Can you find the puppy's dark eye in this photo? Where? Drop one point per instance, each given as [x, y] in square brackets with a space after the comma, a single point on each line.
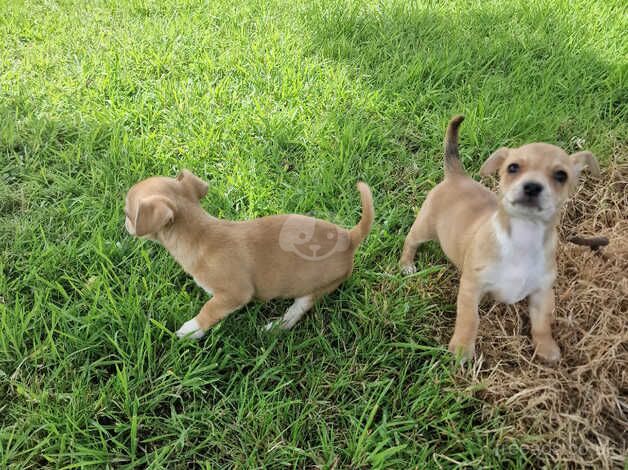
[560, 176]
[513, 168]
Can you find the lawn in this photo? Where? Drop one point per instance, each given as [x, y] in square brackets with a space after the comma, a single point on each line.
[281, 106]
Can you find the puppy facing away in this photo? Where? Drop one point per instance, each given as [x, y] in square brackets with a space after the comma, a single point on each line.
[504, 244]
[287, 256]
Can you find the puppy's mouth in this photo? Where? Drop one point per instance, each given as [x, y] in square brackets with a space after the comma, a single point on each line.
[525, 206]
[528, 202]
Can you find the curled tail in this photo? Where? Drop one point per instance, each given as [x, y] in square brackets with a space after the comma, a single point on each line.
[360, 231]
[452, 159]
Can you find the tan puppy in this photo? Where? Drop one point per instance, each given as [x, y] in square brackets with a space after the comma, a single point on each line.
[503, 245]
[286, 256]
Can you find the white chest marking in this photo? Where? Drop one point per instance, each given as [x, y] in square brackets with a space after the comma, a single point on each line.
[521, 267]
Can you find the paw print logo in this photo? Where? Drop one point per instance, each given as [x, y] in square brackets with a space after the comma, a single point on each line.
[312, 239]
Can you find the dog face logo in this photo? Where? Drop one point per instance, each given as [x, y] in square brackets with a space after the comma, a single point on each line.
[312, 239]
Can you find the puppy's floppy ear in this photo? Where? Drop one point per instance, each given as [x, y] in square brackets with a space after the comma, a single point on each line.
[584, 159]
[193, 182]
[153, 213]
[492, 164]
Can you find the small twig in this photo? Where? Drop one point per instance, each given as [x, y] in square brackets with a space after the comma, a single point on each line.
[594, 243]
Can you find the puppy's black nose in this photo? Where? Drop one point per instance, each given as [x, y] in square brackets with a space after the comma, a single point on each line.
[532, 188]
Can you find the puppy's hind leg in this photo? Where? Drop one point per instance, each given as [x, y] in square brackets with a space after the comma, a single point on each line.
[420, 232]
[294, 313]
[302, 305]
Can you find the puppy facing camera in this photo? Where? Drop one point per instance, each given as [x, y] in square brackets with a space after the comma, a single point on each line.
[505, 244]
[280, 256]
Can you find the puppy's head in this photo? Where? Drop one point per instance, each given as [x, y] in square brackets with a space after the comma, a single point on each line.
[536, 179]
[152, 203]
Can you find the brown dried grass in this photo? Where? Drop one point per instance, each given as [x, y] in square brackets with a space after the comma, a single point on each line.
[574, 414]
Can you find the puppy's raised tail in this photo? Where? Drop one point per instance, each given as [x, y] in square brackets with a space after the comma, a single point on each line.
[360, 231]
[453, 166]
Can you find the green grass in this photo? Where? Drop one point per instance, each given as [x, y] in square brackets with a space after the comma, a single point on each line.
[282, 106]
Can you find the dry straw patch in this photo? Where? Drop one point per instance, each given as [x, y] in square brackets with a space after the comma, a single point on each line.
[577, 410]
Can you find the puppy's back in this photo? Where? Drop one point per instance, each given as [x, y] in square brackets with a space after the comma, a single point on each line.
[295, 255]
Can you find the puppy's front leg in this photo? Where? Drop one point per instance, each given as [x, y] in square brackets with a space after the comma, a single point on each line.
[541, 305]
[214, 310]
[467, 318]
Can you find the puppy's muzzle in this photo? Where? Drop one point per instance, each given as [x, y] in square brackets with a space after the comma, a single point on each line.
[531, 194]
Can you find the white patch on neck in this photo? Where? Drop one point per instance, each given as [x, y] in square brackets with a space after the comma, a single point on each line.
[521, 267]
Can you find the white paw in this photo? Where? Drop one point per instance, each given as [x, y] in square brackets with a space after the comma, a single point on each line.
[281, 324]
[190, 329]
[409, 269]
[275, 324]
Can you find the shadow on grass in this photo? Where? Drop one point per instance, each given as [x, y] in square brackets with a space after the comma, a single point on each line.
[520, 73]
